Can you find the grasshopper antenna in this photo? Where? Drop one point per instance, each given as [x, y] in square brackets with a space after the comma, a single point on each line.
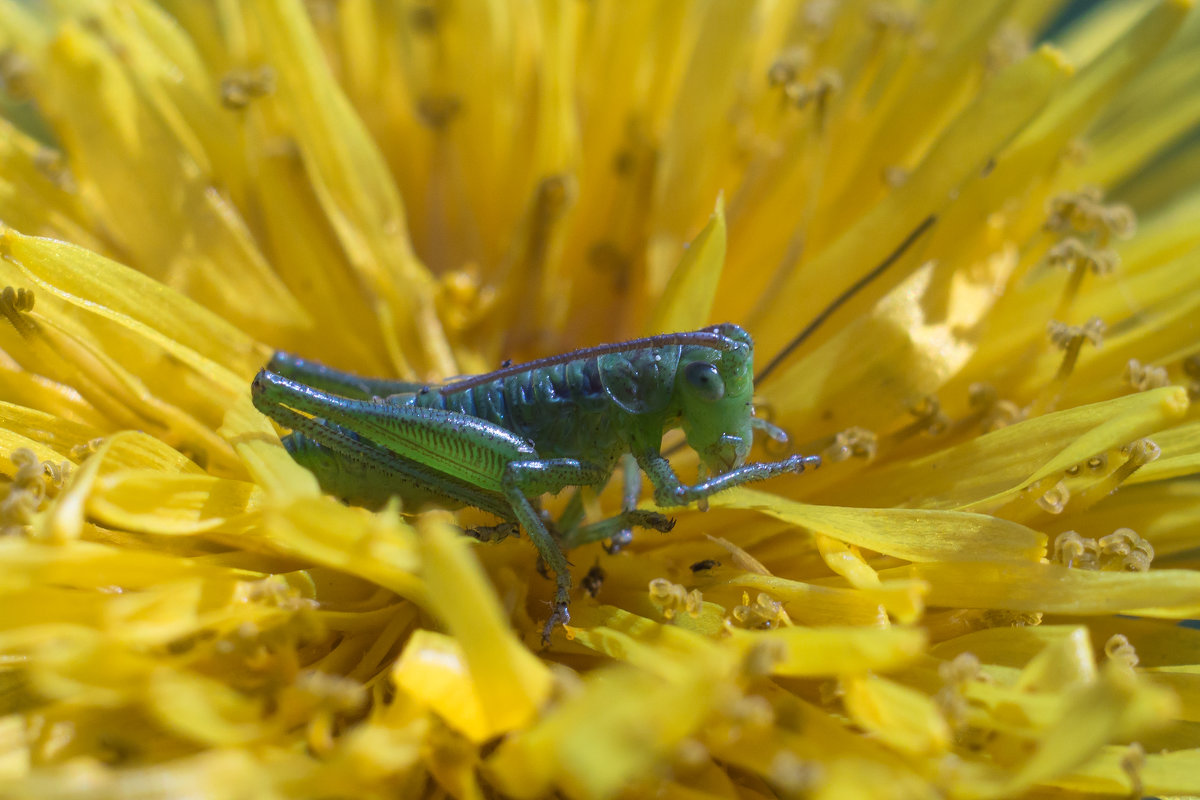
[845, 296]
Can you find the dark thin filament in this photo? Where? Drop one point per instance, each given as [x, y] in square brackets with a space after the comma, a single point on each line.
[845, 296]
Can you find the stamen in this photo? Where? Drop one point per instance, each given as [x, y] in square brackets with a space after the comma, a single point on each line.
[1006, 618]
[818, 92]
[955, 675]
[13, 304]
[817, 17]
[992, 412]
[1083, 213]
[81, 451]
[895, 176]
[425, 18]
[1132, 763]
[851, 443]
[887, 17]
[788, 65]
[1070, 338]
[239, 87]
[930, 419]
[1140, 453]
[762, 656]
[1008, 45]
[793, 775]
[1120, 551]
[1118, 649]
[765, 613]
[1125, 550]
[1055, 499]
[437, 111]
[671, 598]
[1145, 376]
[25, 492]
[964, 668]
[1078, 259]
[51, 164]
[1073, 550]
[1191, 368]
[15, 71]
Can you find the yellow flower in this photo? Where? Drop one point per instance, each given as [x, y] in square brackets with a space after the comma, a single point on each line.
[957, 604]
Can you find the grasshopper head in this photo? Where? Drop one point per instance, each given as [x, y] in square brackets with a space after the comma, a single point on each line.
[714, 390]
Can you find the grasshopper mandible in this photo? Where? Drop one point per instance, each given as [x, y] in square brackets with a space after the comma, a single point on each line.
[500, 440]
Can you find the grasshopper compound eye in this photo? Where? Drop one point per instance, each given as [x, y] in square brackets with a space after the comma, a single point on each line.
[704, 379]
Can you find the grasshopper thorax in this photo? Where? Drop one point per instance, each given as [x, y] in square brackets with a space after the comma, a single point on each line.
[714, 390]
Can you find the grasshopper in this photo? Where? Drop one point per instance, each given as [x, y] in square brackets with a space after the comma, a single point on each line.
[500, 440]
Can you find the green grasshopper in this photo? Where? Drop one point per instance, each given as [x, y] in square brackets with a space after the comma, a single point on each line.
[500, 440]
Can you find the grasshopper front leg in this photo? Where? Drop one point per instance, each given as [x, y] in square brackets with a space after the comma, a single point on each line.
[670, 491]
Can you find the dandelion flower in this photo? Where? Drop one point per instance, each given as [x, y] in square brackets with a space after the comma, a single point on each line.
[978, 596]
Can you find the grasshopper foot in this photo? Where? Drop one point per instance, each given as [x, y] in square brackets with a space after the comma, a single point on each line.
[618, 542]
[560, 616]
[642, 519]
[493, 533]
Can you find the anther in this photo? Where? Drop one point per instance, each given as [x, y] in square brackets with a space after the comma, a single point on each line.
[1075, 256]
[885, 17]
[1073, 550]
[1132, 763]
[1125, 550]
[239, 87]
[15, 71]
[787, 66]
[1054, 500]
[851, 443]
[818, 92]
[25, 493]
[437, 111]
[14, 303]
[1070, 339]
[965, 667]
[1137, 454]
[1120, 551]
[793, 775]
[1083, 213]
[50, 163]
[992, 412]
[81, 451]
[1141, 452]
[955, 675]
[896, 176]
[1078, 259]
[1191, 368]
[1145, 376]
[1008, 45]
[673, 598]
[765, 613]
[1118, 649]
[425, 17]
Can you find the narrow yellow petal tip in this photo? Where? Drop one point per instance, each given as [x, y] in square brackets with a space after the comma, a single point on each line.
[1056, 57]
